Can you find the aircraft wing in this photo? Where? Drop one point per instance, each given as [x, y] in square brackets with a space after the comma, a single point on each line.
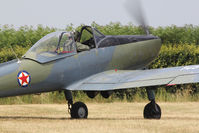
[122, 79]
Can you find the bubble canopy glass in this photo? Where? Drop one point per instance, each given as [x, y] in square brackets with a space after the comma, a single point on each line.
[53, 46]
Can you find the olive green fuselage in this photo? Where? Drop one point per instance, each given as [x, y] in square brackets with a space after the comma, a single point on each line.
[60, 73]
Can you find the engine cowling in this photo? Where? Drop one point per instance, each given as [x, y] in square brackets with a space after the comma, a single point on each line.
[106, 94]
[91, 94]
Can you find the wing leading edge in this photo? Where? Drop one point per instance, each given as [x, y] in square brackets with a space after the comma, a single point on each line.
[123, 79]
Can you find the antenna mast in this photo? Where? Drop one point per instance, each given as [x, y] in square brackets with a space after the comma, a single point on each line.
[15, 54]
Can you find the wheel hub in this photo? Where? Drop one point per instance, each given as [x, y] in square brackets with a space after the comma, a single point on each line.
[81, 112]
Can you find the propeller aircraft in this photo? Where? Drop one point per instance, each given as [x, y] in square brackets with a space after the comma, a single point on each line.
[94, 63]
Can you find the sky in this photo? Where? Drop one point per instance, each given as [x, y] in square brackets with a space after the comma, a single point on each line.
[60, 13]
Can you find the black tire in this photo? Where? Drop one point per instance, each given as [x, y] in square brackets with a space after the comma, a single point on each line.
[79, 111]
[152, 111]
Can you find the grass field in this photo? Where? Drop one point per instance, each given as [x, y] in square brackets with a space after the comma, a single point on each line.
[103, 118]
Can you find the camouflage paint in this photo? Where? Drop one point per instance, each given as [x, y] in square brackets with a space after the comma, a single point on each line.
[38, 73]
[135, 55]
[61, 72]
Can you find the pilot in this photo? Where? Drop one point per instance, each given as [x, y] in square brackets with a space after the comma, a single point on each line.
[80, 47]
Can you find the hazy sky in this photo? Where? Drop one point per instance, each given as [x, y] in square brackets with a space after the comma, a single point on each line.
[59, 13]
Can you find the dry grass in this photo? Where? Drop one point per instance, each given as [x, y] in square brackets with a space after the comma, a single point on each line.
[103, 118]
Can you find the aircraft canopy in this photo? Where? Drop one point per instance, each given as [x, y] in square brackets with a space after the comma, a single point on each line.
[53, 46]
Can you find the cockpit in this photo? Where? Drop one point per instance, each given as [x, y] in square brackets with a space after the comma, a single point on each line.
[62, 44]
[89, 36]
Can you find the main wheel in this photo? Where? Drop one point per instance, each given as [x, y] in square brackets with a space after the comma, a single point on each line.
[79, 111]
[152, 111]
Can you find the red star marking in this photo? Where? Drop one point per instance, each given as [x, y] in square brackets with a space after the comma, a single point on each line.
[23, 78]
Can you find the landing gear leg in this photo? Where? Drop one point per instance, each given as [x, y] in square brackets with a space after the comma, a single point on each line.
[69, 98]
[152, 110]
[77, 110]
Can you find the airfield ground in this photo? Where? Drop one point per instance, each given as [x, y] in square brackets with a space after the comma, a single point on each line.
[103, 118]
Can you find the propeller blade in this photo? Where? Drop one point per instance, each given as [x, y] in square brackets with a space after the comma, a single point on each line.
[135, 10]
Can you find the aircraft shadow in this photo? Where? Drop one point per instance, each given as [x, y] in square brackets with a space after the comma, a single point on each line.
[33, 118]
[92, 119]
[61, 118]
[141, 118]
[181, 118]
